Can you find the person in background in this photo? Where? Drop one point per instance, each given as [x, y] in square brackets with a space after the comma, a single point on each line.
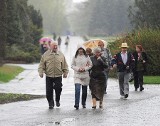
[54, 65]
[140, 67]
[67, 40]
[59, 41]
[124, 62]
[81, 64]
[89, 52]
[45, 46]
[107, 54]
[97, 77]
[54, 36]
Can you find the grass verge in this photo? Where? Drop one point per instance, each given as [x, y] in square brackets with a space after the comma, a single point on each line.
[147, 79]
[151, 79]
[8, 72]
[9, 97]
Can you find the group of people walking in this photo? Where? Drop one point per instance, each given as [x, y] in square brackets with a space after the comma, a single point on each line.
[91, 69]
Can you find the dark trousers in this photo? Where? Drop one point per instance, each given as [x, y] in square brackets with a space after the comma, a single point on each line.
[138, 79]
[77, 94]
[53, 84]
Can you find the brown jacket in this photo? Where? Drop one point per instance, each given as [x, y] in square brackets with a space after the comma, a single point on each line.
[53, 64]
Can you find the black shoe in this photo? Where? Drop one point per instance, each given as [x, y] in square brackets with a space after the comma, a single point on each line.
[101, 106]
[50, 107]
[51, 104]
[94, 107]
[57, 104]
[105, 92]
[142, 88]
[136, 89]
[84, 106]
[126, 96]
[77, 107]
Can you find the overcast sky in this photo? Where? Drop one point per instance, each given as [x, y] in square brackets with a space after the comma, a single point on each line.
[78, 1]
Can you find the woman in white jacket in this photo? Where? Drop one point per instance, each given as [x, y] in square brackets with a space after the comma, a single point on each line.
[81, 64]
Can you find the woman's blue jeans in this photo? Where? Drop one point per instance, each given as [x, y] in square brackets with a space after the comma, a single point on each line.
[77, 94]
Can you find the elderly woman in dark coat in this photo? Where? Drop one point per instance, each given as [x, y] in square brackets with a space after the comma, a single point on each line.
[140, 67]
[97, 81]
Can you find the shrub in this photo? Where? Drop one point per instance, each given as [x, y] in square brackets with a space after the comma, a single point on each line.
[9, 97]
[150, 40]
[28, 53]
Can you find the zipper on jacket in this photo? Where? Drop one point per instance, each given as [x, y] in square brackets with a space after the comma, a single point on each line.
[54, 64]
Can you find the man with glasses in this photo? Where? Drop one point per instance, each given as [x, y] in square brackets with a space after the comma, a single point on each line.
[105, 52]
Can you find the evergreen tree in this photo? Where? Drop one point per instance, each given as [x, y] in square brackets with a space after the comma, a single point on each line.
[14, 25]
[109, 17]
[145, 13]
[22, 22]
[35, 24]
[3, 10]
[54, 16]
[20, 30]
[102, 17]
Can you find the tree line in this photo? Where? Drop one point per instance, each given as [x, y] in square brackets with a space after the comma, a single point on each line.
[101, 17]
[145, 13]
[54, 15]
[111, 17]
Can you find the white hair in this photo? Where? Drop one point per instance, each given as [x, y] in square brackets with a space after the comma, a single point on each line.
[54, 43]
[95, 50]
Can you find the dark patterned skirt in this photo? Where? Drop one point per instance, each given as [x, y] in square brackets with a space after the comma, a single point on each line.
[97, 87]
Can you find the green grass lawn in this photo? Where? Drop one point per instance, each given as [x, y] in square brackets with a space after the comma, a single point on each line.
[151, 79]
[9, 97]
[147, 79]
[8, 72]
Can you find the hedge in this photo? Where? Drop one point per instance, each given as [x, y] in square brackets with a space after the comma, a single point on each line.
[150, 40]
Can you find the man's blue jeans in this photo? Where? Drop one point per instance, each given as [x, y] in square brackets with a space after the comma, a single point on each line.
[77, 94]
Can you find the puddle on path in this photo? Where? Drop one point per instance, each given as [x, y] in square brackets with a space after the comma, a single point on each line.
[63, 122]
[68, 122]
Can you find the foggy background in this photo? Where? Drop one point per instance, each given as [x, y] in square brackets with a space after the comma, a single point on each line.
[91, 17]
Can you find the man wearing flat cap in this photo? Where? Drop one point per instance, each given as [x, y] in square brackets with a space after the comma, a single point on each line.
[124, 62]
[54, 65]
